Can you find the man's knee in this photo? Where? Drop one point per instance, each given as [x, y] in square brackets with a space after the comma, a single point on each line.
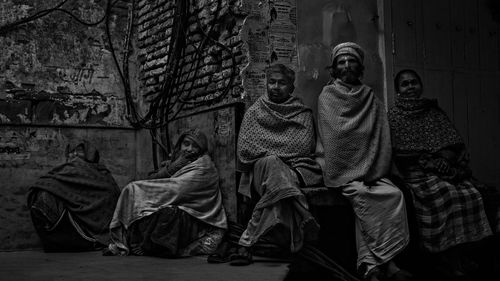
[380, 187]
[269, 160]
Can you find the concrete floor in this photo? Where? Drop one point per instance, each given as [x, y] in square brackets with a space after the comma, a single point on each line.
[40, 266]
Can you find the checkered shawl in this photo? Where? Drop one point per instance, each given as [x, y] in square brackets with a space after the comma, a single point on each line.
[420, 125]
[285, 130]
[448, 215]
[355, 134]
[448, 212]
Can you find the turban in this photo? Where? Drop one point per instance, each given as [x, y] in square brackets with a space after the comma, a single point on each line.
[283, 69]
[348, 48]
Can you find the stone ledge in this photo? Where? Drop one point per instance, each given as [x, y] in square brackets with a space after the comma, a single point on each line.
[324, 196]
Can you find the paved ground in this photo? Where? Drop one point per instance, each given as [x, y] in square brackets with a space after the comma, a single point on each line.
[40, 266]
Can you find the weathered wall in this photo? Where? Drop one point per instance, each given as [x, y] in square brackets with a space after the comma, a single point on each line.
[58, 83]
[215, 57]
[322, 24]
[204, 67]
[57, 71]
[270, 35]
[455, 47]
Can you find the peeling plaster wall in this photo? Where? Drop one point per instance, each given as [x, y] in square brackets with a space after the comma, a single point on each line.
[270, 36]
[58, 83]
[57, 71]
[322, 24]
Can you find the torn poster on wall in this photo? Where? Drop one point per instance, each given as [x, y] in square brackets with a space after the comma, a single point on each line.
[56, 71]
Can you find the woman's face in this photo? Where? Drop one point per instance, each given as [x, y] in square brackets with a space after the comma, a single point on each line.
[409, 85]
[189, 146]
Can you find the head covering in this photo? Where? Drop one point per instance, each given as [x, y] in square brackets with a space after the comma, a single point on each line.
[90, 152]
[283, 69]
[348, 48]
[404, 71]
[197, 137]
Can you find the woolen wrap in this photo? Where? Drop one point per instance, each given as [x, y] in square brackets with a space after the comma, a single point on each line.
[355, 134]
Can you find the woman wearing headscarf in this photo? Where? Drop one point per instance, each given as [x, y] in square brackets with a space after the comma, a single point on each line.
[431, 156]
[177, 212]
[71, 206]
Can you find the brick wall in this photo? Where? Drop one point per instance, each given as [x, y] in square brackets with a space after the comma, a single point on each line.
[205, 71]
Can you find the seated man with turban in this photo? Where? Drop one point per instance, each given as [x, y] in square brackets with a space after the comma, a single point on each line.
[71, 206]
[355, 137]
[276, 157]
[177, 212]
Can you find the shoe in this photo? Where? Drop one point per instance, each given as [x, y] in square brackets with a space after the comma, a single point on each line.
[222, 254]
[241, 258]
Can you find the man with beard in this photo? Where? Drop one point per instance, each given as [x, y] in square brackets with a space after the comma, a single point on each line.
[276, 157]
[355, 138]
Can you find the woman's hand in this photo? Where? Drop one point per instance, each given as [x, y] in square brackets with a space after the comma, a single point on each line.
[442, 165]
[439, 165]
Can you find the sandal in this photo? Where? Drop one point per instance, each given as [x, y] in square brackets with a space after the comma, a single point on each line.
[217, 258]
[400, 275]
[222, 254]
[241, 258]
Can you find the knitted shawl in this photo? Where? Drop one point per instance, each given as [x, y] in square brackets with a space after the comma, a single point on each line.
[285, 130]
[419, 125]
[355, 134]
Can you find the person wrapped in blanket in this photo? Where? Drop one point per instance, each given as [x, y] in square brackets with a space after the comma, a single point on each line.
[276, 157]
[432, 158]
[355, 152]
[71, 206]
[177, 211]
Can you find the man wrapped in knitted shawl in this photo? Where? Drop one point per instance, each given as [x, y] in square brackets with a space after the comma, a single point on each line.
[275, 152]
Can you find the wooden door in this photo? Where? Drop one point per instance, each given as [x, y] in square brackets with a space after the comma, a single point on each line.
[454, 45]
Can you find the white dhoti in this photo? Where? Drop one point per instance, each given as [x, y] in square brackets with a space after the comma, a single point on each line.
[381, 223]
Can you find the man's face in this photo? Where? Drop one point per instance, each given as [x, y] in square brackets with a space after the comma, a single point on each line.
[279, 87]
[409, 85]
[348, 68]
